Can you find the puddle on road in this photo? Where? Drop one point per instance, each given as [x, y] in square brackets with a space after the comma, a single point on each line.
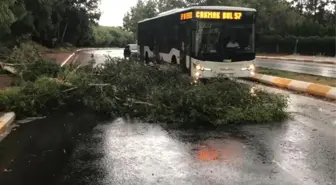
[219, 149]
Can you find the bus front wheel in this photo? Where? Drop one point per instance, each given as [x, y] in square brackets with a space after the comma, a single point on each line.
[146, 58]
[183, 65]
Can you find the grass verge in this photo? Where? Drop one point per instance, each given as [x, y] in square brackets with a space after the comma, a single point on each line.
[298, 76]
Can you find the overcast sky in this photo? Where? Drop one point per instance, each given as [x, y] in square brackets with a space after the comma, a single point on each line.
[113, 11]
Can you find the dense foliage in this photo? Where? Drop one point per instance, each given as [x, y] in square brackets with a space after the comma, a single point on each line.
[312, 22]
[49, 22]
[111, 36]
[154, 94]
[53, 23]
[313, 45]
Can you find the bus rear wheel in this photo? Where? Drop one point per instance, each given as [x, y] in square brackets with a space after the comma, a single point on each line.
[173, 60]
[146, 58]
[189, 70]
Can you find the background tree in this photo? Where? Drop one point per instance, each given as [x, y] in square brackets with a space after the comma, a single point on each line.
[49, 22]
[6, 16]
[140, 11]
[104, 36]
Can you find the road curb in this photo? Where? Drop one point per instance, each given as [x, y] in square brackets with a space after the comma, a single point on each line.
[78, 50]
[70, 56]
[73, 54]
[5, 120]
[297, 60]
[300, 86]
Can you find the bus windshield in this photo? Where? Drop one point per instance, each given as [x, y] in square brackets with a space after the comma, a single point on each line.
[218, 41]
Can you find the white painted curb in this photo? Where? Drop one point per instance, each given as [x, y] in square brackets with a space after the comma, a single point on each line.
[5, 120]
[299, 86]
[70, 56]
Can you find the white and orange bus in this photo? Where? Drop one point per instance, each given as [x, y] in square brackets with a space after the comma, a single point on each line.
[204, 40]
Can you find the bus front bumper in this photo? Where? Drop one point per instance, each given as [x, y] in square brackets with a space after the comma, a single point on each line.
[218, 69]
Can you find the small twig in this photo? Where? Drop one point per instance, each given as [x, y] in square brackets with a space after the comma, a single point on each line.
[62, 82]
[143, 103]
[99, 84]
[9, 64]
[71, 89]
[117, 98]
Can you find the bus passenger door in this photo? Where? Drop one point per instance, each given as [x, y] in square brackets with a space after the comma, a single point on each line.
[184, 33]
[188, 49]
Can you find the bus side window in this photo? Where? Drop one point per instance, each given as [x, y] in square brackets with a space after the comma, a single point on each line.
[193, 41]
[176, 36]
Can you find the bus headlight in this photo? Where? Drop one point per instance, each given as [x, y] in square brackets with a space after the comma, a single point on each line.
[201, 68]
[251, 67]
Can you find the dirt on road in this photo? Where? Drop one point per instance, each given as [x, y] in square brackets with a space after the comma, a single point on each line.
[5, 81]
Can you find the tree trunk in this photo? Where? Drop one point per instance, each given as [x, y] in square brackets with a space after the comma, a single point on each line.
[64, 31]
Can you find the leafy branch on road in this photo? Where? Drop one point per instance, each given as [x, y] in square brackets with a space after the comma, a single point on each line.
[129, 89]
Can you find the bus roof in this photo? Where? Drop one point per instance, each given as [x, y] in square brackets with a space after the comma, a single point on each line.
[179, 10]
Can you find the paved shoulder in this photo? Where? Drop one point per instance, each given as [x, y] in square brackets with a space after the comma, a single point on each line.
[319, 69]
[325, 60]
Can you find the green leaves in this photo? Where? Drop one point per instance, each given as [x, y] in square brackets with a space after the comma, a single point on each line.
[6, 16]
[142, 10]
[306, 45]
[104, 36]
[147, 9]
[50, 22]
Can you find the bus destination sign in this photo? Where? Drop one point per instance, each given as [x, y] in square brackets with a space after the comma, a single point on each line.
[186, 16]
[213, 15]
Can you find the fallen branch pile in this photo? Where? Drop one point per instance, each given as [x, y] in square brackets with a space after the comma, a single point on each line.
[129, 89]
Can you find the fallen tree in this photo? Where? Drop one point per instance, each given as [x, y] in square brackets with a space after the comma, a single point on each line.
[153, 94]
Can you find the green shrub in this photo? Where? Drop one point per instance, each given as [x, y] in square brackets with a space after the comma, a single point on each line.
[40, 67]
[32, 99]
[305, 46]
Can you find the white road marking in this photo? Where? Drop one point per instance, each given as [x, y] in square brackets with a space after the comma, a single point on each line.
[67, 59]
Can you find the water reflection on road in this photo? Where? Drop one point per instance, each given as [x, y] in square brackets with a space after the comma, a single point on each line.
[314, 68]
[100, 56]
[122, 152]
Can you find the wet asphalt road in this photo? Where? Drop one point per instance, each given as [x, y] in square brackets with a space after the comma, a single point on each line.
[319, 69]
[100, 56]
[71, 149]
[326, 70]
